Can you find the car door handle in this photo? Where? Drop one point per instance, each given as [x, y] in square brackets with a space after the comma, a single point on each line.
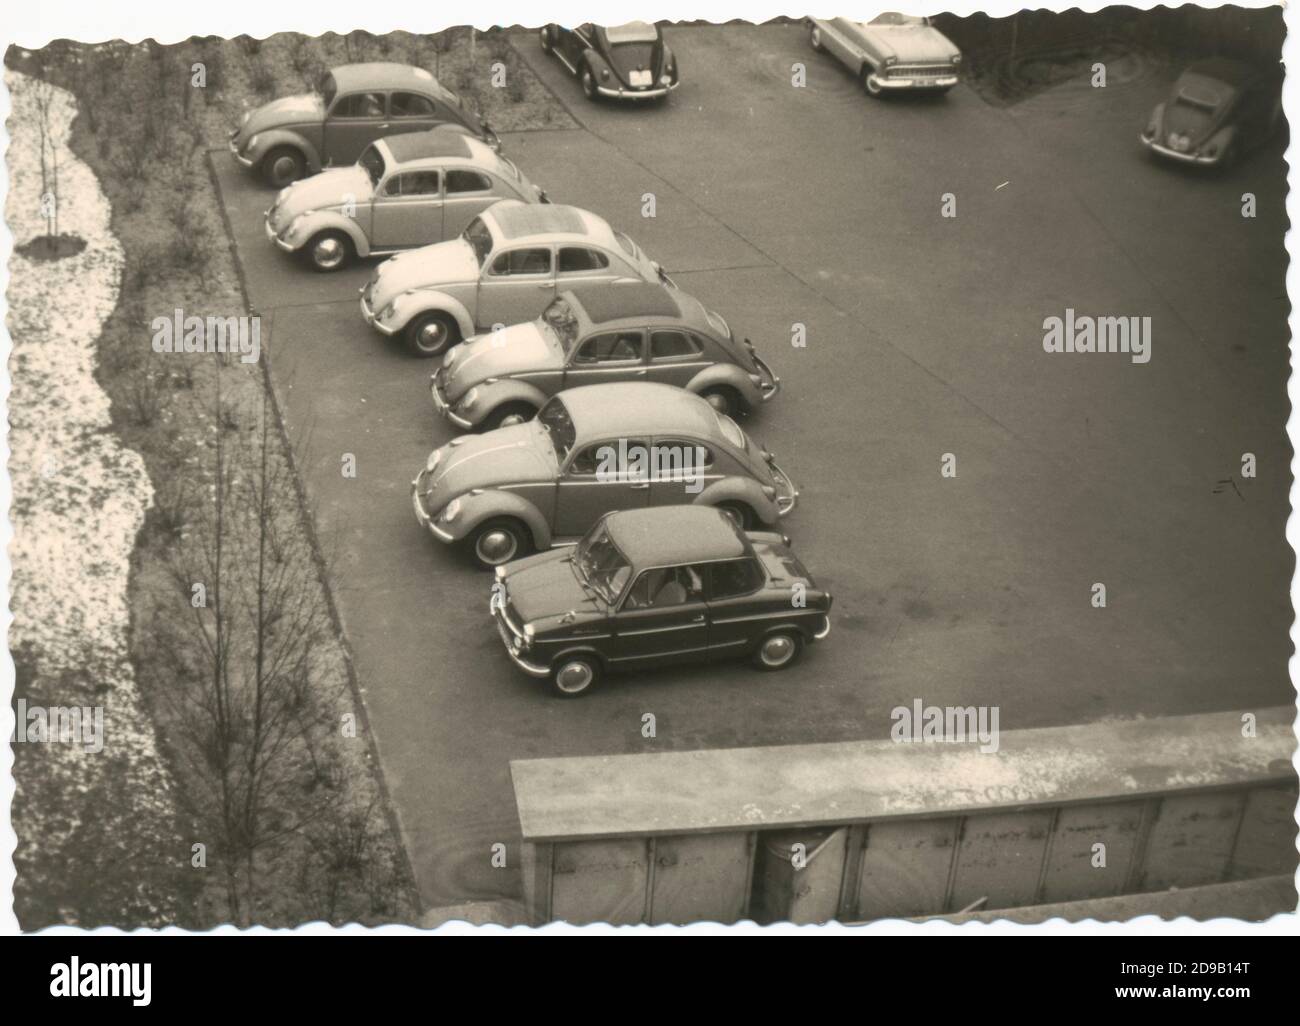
[638, 486]
[698, 619]
[544, 285]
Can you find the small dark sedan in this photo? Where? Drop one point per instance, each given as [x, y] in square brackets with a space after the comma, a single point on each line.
[1218, 110]
[657, 587]
[622, 62]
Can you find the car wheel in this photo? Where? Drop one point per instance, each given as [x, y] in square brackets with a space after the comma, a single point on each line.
[589, 84]
[547, 45]
[872, 87]
[431, 333]
[498, 541]
[508, 414]
[723, 400]
[779, 650]
[328, 250]
[283, 165]
[815, 37]
[739, 514]
[575, 675]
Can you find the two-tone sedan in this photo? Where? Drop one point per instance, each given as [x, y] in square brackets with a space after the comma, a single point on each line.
[591, 450]
[620, 62]
[657, 587]
[294, 136]
[890, 53]
[596, 335]
[508, 265]
[405, 191]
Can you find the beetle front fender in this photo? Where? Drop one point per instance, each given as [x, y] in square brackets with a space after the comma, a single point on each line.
[325, 220]
[475, 509]
[728, 375]
[424, 300]
[508, 390]
[743, 490]
[271, 138]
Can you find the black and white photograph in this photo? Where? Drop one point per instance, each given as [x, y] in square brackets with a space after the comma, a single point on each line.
[485, 471]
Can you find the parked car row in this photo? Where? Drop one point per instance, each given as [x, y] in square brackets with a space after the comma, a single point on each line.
[629, 518]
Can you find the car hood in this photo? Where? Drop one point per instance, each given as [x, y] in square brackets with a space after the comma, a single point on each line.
[519, 454]
[1183, 121]
[544, 591]
[443, 263]
[301, 108]
[512, 350]
[915, 44]
[329, 189]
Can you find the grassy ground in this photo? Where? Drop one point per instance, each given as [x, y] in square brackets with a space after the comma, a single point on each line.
[330, 849]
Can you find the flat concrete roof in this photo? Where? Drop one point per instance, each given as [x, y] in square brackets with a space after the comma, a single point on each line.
[800, 785]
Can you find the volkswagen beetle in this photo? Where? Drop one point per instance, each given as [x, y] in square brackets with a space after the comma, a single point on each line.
[356, 104]
[591, 450]
[595, 334]
[624, 62]
[405, 191]
[891, 52]
[1218, 109]
[505, 268]
[657, 587]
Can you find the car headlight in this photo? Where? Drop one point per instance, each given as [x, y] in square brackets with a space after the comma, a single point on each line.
[890, 61]
[604, 73]
[296, 223]
[252, 142]
[956, 58]
[469, 399]
[386, 314]
[431, 464]
[244, 120]
[451, 511]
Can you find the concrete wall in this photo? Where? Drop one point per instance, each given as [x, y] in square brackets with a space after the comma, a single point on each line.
[877, 829]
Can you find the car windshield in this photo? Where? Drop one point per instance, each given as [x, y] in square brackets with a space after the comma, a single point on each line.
[554, 418]
[601, 564]
[327, 89]
[372, 160]
[560, 319]
[479, 235]
[732, 433]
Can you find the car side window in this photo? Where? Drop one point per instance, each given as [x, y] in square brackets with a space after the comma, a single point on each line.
[410, 105]
[611, 347]
[673, 345]
[522, 262]
[413, 183]
[735, 577]
[360, 105]
[678, 460]
[469, 181]
[580, 258]
[665, 587]
[606, 457]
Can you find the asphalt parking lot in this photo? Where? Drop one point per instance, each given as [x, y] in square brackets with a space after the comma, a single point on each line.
[779, 205]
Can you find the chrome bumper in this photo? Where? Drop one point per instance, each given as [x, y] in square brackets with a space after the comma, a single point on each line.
[919, 82]
[239, 157]
[655, 93]
[787, 495]
[1185, 158]
[768, 389]
[270, 234]
[440, 402]
[826, 629]
[510, 638]
[422, 517]
[371, 318]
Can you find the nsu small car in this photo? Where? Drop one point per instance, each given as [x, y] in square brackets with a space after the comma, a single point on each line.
[591, 450]
[596, 335]
[405, 191]
[657, 587]
[506, 268]
[356, 104]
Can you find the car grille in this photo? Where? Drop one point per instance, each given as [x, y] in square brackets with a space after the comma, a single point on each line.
[922, 70]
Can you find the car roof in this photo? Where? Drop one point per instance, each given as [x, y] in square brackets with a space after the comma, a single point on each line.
[638, 409]
[435, 143]
[388, 75]
[515, 220]
[666, 535]
[632, 32]
[605, 303]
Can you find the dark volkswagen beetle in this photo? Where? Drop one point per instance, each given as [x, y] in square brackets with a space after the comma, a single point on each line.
[626, 62]
[657, 587]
